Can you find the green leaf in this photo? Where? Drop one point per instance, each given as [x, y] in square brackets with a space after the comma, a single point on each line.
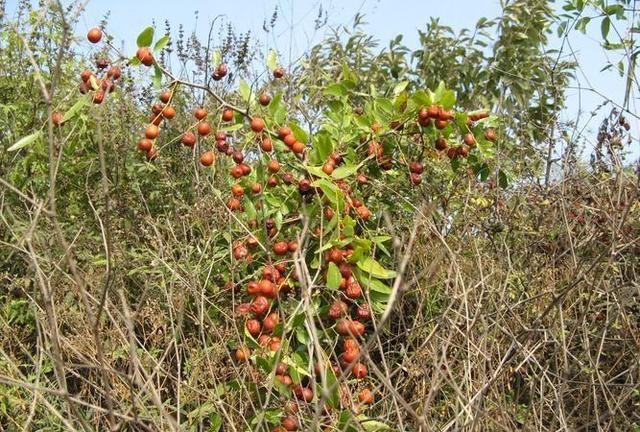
[250, 209]
[245, 91]
[344, 171]
[379, 241]
[421, 98]
[162, 42]
[616, 9]
[332, 385]
[581, 25]
[439, 93]
[145, 38]
[448, 99]
[316, 171]
[604, 27]
[157, 77]
[482, 171]
[375, 269]
[300, 134]
[333, 277]
[272, 60]
[299, 368]
[322, 147]
[503, 179]
[215, 422]
[371, 283]
[335, 89]
[279, 220]
[73, 111]
[331, 191]
[25, 141]
[346, 422]
[302, 335]
[349, 225]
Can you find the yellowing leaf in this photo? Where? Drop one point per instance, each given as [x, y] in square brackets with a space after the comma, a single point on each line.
[333, 277]
[375, 269]
[272, 60]
[25, 141]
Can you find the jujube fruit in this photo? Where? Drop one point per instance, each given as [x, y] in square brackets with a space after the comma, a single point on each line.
[273, 166]
[260, 305]
[227, 115]
[278, 72]
[207, 158]
[267, 288]
[253, 327]
[366, 396]
[469, 139]
[416, 167]
[281, 368]
[85, 75]
[237, 190]
[289, 140]
[237, 156]
[359, 371]
[253, 288]
[264, 99]
[283, 131]
[266, 144]
[98, 97]
[490, 135]
[152, 131]
[145, 56]
[233, 203]
[188, 139]
[204, 128]
[270, 322]
[114, 72]
[246, 169]
[257, 124]
[200, 113]
[169, 112]
[297, 147]
[145, 144]
[236, 171]
[350, 356]
[56, 118]
[290, 423]
[165, 96]
[94, 35]
[280, 248]
[242, 354]
[327, 168]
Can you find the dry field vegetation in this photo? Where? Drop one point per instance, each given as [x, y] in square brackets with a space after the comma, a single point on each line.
[506, 295]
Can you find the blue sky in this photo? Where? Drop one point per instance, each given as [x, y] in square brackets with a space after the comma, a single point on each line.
[386, 19]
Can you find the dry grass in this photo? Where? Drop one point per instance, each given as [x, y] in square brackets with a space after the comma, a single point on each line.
[519, 315]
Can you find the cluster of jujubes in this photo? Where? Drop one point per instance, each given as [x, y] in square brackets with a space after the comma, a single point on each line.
[303, 217]
[103, 80]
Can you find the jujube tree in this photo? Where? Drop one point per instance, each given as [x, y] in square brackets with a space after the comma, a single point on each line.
[311, 265]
